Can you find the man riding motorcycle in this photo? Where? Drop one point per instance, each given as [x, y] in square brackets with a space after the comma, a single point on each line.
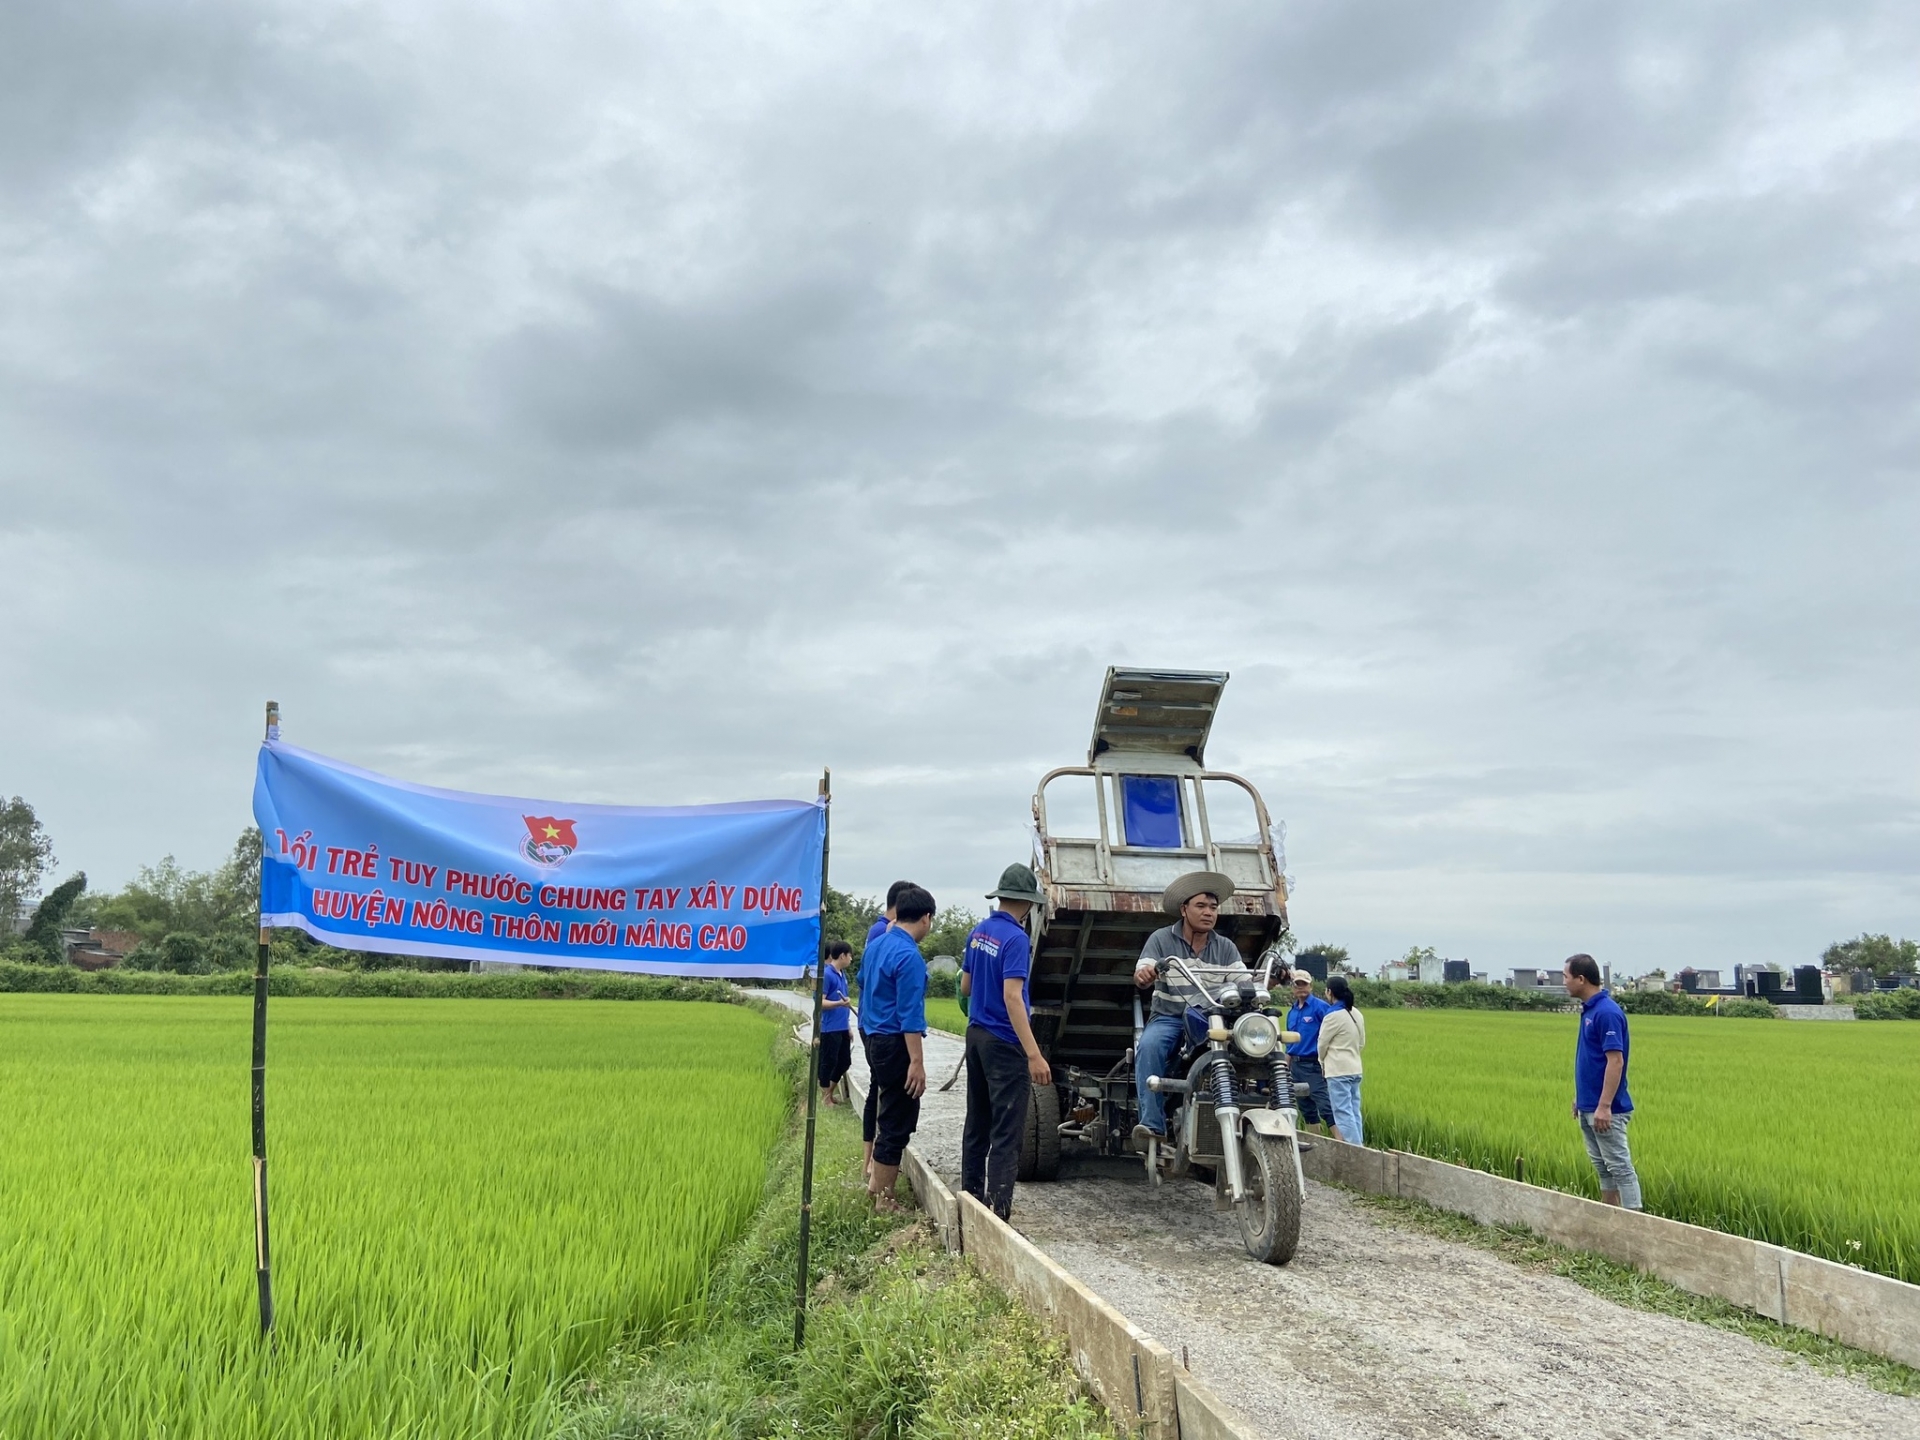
[1195, 898]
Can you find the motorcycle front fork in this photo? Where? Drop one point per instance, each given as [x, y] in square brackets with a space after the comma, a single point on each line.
[1228, 1114]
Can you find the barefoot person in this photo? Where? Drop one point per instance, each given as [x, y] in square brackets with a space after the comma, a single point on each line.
[1003, 1058]
[893, 1018]
[836, 1020]
[1600, 1100]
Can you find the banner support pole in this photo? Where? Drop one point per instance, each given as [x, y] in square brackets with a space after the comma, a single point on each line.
[813, 1068]
[263, 1267]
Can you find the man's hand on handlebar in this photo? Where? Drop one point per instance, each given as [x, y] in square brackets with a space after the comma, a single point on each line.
[1146, 973]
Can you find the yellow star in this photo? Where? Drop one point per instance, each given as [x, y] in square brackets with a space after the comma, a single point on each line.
[553, 832]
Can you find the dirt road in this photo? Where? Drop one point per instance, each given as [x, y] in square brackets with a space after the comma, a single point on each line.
[1375, 1331]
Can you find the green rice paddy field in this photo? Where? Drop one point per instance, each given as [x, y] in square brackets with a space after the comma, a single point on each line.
[1803, 1134]
[471, 1203]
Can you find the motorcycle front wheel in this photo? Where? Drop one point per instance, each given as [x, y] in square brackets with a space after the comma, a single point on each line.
[1270, 1215]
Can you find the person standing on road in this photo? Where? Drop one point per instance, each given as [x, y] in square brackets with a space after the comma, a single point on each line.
[1600, 1100]
[1343, 1035]
[1195, 900]
[836, 1019]
[1003, 1059]
[893, 1018]
[1303, 1055]
[874, 932]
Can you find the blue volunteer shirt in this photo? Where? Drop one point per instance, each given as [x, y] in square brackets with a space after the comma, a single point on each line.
[877, 929]
[1306, 1018]
[1603, 1027]
[893, 987]
[997, 951]
[835, 988]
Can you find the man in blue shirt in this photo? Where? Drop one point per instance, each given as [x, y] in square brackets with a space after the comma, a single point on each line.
[1600, 1100]
[836, 1019]
[893, 1018]
[1003, 1059]
[1303, 1055]
[879, 927]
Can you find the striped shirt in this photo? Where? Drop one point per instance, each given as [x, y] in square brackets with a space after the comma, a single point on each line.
[1172, 994]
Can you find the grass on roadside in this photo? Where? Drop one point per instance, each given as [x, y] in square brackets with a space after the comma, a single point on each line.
[1637, 1290]
[945, 1015]
[903, 1340]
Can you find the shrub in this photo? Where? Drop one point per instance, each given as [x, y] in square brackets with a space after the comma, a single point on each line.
[1902, 1004]
[1659, 1002]
[1748, 1010]
[184, 954]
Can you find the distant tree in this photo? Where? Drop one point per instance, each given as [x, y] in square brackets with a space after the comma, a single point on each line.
[949, 933]
[1336, 956]
[1881, 954]
[26, 854]
[167, 898]
[43, 941]
[849, 917]
[184, 954]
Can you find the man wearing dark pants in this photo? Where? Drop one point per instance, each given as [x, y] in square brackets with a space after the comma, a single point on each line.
[1600, 1100]
[836, 1020]
[1003, 1059]
[893, 1017]
[1303, 1056]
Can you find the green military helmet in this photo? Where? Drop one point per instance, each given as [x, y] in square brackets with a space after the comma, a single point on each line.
[1017, 882]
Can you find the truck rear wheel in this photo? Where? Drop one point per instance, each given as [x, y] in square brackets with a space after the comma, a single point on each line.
[1270, 1215]
[1040, 1142]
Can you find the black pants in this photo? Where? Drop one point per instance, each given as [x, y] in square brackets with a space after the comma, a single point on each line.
[997, 1094]
[836, 1056]
[892, 1115]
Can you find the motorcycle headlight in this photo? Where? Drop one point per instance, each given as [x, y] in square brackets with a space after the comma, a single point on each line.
[1255, 1036]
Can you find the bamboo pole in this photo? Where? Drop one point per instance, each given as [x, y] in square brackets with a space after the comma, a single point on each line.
[263, 1266]
[813, 1071]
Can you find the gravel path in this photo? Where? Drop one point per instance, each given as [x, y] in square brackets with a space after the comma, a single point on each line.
[1374, 1331]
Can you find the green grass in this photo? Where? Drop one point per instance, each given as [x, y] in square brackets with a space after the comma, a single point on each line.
[471, 1204]
[293, 980]
[1638, 1290]
[903, 1340]
[1803, 1135]
[945, 1015]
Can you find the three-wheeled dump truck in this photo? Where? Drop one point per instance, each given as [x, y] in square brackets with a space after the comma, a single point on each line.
[1143, 811]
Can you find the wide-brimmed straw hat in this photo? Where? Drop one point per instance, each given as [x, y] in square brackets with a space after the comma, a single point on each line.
[1196, 882]
[1018, 882]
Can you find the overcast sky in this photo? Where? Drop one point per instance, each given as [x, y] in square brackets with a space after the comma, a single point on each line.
[656, 403]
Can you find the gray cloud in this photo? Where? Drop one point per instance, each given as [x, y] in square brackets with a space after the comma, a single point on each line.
[643, 406]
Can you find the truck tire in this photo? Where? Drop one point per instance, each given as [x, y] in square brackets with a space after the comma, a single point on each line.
[1040, 1141]
[1270, 1215]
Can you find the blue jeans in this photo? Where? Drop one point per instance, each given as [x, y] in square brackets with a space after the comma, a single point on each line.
[1612, 1160]
[1344, 1092]
[1158, 1040]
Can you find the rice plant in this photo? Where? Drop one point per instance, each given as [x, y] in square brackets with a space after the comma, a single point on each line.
[471, 1203]
[1803, 1135]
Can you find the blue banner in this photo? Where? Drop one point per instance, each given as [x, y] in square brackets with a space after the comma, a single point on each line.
[365, 862]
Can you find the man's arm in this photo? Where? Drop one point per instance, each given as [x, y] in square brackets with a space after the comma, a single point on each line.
[1038, 1070]
[1148, 970]
[1609, 1087]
